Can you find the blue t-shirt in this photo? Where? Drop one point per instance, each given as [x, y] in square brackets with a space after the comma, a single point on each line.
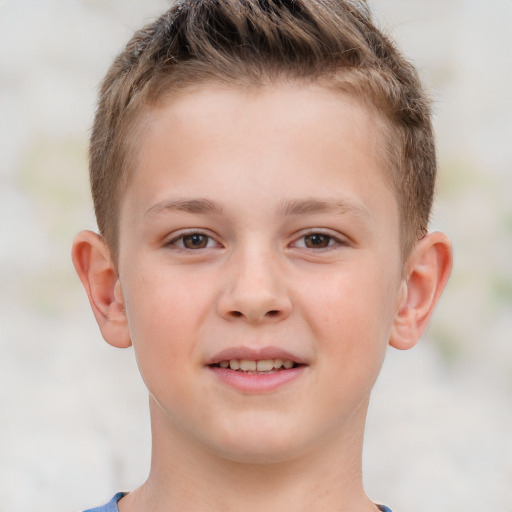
[111, 506]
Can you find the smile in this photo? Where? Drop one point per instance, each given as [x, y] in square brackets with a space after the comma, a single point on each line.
[256, 371]
[258, 366]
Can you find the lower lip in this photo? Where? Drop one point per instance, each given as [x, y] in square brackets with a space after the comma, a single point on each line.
[256, 382]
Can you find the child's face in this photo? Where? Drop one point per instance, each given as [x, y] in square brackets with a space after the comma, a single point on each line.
[260, 226]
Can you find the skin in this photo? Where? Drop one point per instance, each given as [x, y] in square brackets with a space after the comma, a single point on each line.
[259, 218]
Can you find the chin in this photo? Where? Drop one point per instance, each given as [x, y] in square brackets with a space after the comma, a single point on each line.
[258, 455]
[256, 445]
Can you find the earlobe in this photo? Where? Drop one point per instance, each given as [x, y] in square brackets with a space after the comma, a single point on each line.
[95, 268]
[428, 270]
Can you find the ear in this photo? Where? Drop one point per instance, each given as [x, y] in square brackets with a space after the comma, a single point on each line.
[428, 269]
[95, 268]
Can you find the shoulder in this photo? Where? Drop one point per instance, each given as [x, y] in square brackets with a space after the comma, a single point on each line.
[111, 506]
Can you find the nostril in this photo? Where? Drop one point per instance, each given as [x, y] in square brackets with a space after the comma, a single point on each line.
[252, 316]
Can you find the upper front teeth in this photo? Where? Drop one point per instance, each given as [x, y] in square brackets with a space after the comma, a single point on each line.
[262, 365]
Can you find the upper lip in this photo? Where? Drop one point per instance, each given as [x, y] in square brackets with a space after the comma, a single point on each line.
[254, 354]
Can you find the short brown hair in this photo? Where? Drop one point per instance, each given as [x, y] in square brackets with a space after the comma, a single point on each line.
[250, 43]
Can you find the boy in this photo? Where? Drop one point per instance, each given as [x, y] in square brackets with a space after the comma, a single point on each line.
[262, 174]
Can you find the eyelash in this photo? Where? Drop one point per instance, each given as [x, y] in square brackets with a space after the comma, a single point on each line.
[332, 243]
[180, 241]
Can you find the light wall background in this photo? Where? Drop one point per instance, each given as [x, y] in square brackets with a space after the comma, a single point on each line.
[73, 412]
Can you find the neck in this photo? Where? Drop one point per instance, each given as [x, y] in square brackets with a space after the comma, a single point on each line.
[186, 478]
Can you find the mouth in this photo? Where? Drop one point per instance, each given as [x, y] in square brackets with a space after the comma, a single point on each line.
[257, 371]
[259, 366]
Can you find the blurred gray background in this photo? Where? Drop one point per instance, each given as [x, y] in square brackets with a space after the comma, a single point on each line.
[73, 412]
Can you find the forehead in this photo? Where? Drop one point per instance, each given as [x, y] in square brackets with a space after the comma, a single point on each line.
[283, 107]
[217, 140]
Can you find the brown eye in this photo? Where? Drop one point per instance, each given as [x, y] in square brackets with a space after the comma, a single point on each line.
[317, 241]
[195, 241]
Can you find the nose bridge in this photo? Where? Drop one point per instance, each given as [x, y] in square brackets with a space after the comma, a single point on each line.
[255, 286]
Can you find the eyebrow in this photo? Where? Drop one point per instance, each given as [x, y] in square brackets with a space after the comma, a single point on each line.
[313, 205]
[199, 205]
[287, 208]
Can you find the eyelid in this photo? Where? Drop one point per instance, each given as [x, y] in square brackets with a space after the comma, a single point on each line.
[339, 239]
[179, 235]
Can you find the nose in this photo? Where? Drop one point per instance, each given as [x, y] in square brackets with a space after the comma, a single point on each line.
[255, 290]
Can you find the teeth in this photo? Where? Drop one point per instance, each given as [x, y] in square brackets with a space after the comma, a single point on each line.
[265, 365]
[262, 365]
[247, 366]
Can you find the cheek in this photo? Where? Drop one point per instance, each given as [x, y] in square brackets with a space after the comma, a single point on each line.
[165, 312]
[350, 312]
[164, 301]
